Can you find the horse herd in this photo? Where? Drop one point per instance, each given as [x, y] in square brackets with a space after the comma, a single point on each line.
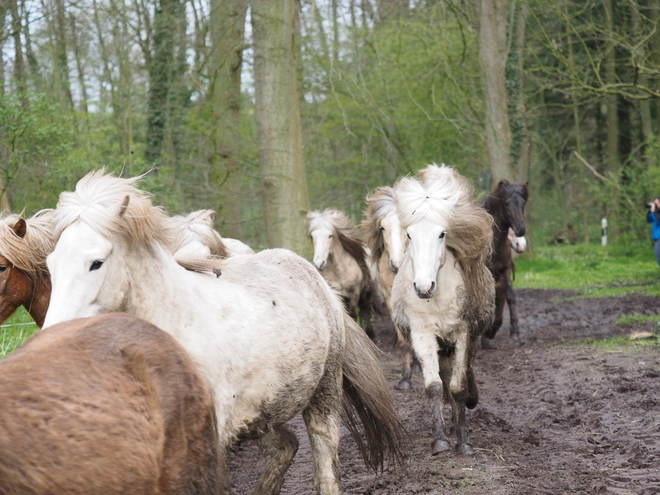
[164, 343]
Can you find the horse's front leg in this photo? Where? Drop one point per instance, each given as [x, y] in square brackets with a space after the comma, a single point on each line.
[459, 389]
[278, 446]
[500, 301]
[406, 374]
[426, 348]
[513, 313]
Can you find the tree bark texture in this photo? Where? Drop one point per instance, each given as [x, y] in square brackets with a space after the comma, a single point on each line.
[19, 64]
[283, 176]
[227, 26]
[160, 75]
[493, 52]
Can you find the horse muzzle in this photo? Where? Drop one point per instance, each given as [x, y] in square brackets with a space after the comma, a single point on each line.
[395, 266]
[425, 293]
[320, 266]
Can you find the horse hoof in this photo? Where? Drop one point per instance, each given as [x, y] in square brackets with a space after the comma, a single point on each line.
[515, 336]
[464, 449]
[438, 446]
[416, 368]
[486, 343]
[403, 385]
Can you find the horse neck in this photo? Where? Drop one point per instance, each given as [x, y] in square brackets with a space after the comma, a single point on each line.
[501, 220]
[37, 304]
[159, 282]
[343, 262]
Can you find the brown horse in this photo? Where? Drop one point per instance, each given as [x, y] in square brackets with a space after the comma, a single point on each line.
[24, 278]
[109, 404]
[506, 204]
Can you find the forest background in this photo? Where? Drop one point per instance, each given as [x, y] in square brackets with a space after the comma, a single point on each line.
[266, 108]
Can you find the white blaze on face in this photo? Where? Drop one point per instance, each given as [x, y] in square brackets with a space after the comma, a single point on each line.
[426, 244]
[322, 239]
[393, 236]
[78, 270]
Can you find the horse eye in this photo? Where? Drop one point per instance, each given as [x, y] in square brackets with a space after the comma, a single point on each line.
[382, 228]
[442, 234]
[96, 264]
[408, 235]
[2, 268]
[330, 236]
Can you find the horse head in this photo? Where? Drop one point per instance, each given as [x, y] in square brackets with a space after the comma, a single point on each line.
[322, 232]
[513, 197]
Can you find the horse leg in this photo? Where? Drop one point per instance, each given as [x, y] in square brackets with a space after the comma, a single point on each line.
[406, 374]
[415, 367]
[500, 300]
[511, 302]
[426, 348]
[459, 389]
[322, 419]
[278, 446]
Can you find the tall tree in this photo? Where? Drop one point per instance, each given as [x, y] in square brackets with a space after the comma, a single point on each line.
[20, 75]
[612, 159]
[227, 23]
[493, 51]
[283, 176]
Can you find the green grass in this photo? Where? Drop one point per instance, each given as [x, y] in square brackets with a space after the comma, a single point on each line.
[636, 320]
[15, 331]
[591, 271]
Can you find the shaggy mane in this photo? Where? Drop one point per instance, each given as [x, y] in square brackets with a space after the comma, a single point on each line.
[29, 253]
[98, 200]
[502, 191]
[345, 231]
[198, 225]
[448, 197]
[380, 204]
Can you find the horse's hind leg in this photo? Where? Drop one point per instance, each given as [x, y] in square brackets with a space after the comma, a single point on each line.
[278, 446]
[461, 374]
[406, 374]
[322, 419]
[500, 300]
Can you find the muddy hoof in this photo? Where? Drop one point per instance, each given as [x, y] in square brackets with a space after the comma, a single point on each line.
[403, 385]
[514, 335]
[464, 449]
[416, 367]
[486, 343]
[439, 445]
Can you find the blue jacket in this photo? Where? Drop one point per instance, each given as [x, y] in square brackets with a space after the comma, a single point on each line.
[655, 228]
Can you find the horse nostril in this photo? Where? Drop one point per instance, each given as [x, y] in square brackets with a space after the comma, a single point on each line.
[432, 287]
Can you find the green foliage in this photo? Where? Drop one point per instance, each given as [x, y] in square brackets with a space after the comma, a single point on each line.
[16, 330]
[591, 271]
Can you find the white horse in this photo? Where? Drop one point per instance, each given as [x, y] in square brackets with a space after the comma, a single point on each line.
[266, 331]
[443, 295]
[340, 255]
[197, 237]
[387, 243]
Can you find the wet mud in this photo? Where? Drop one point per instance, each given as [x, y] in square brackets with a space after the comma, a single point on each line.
[556, 415]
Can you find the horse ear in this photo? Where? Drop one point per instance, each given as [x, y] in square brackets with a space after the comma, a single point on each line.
[209, 217]
[124, 206]
[20, 228]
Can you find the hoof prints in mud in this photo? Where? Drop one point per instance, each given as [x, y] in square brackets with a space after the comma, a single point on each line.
[552, 418]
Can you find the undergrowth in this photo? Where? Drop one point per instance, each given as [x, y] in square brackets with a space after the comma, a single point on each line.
[16, 330]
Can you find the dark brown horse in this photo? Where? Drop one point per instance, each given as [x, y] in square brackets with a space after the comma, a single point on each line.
[109, 405]
[506, 204]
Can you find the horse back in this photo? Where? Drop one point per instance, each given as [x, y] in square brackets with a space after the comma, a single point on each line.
[108, 405]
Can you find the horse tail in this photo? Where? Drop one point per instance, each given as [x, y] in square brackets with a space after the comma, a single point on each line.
[368, 411]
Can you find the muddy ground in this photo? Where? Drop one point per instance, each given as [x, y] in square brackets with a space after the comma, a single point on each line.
[555, 415]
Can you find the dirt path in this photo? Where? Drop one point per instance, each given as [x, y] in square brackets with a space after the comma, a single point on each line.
[554, 417]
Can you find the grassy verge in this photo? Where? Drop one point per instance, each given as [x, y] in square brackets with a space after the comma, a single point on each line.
[15, 331]
[591, 271]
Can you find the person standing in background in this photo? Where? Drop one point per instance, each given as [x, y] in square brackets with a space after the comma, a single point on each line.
[653, 217]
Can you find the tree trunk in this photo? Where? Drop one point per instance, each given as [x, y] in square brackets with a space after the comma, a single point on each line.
[644, 105]
[61, 55]
[612, 158]
[520, 138]
[227, 43]
[493, 48]
[283, 177]
[19, 65]
[160, 70]
[79, 67]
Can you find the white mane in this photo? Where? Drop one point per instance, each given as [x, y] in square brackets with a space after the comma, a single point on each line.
[198, 227]
[111, 204]
[29, 252]
[434, 200]
[329, 219]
